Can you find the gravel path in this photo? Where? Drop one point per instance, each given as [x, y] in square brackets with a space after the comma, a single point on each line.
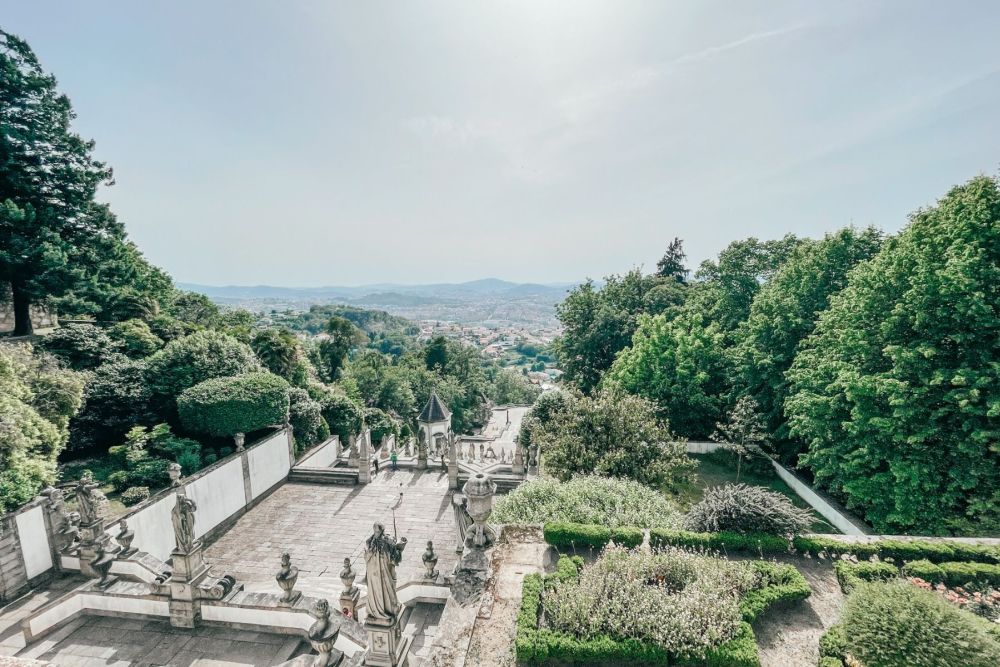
[789, 637]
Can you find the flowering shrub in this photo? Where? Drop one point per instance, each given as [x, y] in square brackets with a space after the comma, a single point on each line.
[684, 602]
[587, 500]
[742, 508]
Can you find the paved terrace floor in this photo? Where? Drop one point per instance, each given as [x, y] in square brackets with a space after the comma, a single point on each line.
[321, 525]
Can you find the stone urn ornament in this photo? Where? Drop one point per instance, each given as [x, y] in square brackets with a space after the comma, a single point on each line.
[101, 563]
[323, 634]
[286, 578]
[239, 439]
[479, 492]
[430, 559]
[124, 537]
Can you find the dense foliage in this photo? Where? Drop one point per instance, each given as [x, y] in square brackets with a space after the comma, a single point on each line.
[597, 500]
[896, 391]
[37, 399]
[891, 624]
[741, 508]
[237, 405]
[610, 433]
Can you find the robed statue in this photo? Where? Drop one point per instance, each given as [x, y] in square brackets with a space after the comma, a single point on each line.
[90, 502]
[182, 517]
[382, 554]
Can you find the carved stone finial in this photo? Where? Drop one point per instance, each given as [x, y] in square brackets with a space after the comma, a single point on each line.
[286, 578]
[101, 563]
[323, 634]
[124, 537]
[174, 470]
[430, 559]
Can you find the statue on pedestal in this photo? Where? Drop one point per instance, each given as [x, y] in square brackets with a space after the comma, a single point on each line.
[286, 578]
[91, 503]
[182, 517]
[382, 554]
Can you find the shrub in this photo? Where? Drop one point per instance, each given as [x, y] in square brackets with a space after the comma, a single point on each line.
[135, 338]
[691, 608]
[119, 480]
[593, 500]
[304, 415]
[954, 574]
[747, 509]
[849, 574]
[116, 398]
[231, 405]
[890, 624]
[627, 537]
[566, 535]
[185, 362]
[753, 543]
[833, 645]
[779, 584]
[80, 346]
[134, 495]
[342, 414]
[924, 569]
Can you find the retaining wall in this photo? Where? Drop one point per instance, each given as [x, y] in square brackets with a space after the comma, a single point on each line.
[222, 491]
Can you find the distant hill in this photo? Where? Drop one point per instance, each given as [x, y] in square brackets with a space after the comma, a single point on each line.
[388, 293]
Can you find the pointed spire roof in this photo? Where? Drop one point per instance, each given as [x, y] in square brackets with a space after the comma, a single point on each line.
[434, 411]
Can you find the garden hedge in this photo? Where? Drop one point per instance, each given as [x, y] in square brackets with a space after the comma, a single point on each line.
[849, 574]
[565, 535]
[954, 574]
[898, 550]
[541, 646]
[238, 404]
[833, 647]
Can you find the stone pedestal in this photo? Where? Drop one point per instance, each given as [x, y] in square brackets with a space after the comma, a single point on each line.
[386, 646]
[349, 602]
[93, 540]
[518, 466]
[364, 458]
[185, 606]
[421, 456]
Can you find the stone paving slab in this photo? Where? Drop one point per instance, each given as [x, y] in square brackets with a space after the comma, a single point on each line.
[320, 525]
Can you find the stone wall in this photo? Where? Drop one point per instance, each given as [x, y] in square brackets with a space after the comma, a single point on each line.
[223, 492]
[40, 317]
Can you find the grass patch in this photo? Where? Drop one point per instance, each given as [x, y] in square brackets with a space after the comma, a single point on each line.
[718, 468]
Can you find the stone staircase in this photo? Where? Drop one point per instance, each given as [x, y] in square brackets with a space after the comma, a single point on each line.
[341, 476]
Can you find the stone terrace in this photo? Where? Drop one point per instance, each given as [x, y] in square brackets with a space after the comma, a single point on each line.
[321, 525]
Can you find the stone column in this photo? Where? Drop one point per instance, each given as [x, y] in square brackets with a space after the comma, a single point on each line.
[365, 458]
[351, 594]
[352, 456]
[422, 451]
[518, 466]
[452, 463]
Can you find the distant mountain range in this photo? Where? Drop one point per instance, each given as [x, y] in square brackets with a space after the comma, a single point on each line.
[388, 292]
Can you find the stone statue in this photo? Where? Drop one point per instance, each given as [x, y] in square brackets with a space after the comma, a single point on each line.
[286, 578]
[174, 471]
[430, 559]
[90, 501]
[182, 517]
[382, 554]
[347, 576]
[101, 563]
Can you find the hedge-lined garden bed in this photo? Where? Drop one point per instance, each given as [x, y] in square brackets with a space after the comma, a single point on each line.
[539, 644]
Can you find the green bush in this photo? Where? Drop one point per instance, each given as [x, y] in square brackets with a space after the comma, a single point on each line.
[564, 535]
[954, 574]
[119, 480]
[851, 574]
[826, 661]
[308, 426]
[151, 472]
[231, 405]
[752, 543]
[80, 346]
[627, 536]
[833, 645]
[134, 495]
[606, 501]
[741, 508]
[892, 624]
[780, 585]
[135, 338]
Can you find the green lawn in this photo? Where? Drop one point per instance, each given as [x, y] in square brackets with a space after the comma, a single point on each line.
[717, 469]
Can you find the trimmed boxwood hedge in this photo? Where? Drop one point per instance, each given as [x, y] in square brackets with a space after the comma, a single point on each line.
[898, 550]
[238, 404]
[541, 646]
[954, 574]
[851, 574]
[565, 535]
[833, 647]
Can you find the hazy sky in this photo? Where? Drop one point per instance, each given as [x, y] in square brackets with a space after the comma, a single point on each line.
[312, 143]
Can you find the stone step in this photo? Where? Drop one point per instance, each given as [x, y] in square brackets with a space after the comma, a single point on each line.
[342, 476]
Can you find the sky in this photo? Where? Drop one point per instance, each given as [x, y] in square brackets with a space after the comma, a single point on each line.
[307, 143]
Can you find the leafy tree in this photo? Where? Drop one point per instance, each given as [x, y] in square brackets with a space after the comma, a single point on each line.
[436, 353]
[732, 281]
[48, 178]
[381, 424]
[671, 265]
[599, 323]
[744, 431]
[116, 398]
[785, 311]
[80, 346]
[135, 338]
[194, 308]
[187, 361]
[509, 388]
[235, 405]
[896, 390]
[280, 352]
[615, 434]
[341, 413]
[37, 400]
[679, 365]
[342, 337]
